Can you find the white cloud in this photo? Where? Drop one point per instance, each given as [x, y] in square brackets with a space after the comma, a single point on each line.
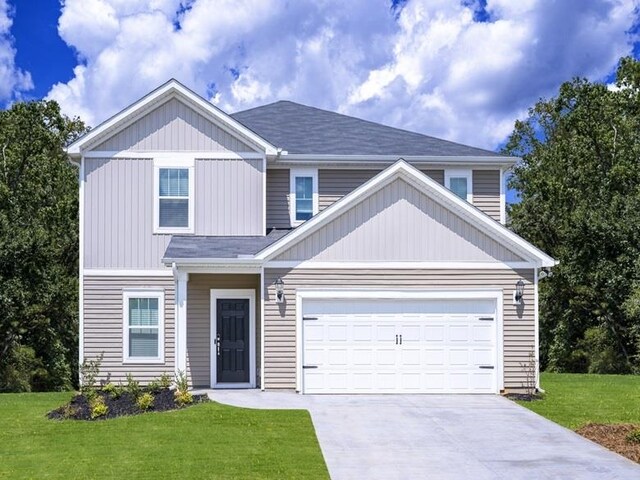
[13, 80]
[431, 67]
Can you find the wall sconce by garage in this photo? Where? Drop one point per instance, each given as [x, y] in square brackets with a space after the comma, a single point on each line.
[279, 284]
[518, 293]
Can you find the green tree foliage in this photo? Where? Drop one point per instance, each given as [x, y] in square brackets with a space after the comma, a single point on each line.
[579, 182]
[38, 248]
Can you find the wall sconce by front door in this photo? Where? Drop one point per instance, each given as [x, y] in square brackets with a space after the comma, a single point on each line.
[279, 284]
[518, 293]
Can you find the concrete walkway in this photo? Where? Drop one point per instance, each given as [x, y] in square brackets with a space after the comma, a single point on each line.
[440, 437]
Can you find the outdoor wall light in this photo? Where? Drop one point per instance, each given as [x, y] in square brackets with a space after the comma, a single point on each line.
[518, 293]
[279, 284]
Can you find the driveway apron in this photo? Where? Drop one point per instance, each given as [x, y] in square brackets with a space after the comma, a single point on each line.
[440, 437]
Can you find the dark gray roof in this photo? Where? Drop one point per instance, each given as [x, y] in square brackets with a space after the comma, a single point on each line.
[190, 247]
[308, 130]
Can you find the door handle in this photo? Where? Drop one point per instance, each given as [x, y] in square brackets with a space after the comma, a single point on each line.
[396, 339]
[218, 341]
[400, 339]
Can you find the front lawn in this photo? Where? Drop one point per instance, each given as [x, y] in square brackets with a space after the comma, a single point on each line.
[573, 400]
[204, 441]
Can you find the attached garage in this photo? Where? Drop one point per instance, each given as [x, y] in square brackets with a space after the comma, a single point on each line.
[393, 342]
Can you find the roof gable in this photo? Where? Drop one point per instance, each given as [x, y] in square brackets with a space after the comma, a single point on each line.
[398, 223]
[300, 129]
[449, 201]
[174, 125]
[170, 90]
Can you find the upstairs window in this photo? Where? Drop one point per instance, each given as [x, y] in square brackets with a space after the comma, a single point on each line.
[143, 326]
[174, 199]
[303, 195]
[459, 182]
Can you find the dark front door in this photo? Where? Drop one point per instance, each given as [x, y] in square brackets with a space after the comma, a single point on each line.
[232, 338]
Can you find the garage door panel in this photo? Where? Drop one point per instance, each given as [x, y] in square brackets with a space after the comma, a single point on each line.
[394, 346]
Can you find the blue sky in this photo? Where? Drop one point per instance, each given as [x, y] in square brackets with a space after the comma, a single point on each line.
[461, 70]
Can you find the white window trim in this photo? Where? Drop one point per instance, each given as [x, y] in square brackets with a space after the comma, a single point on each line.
[302, 172]
[168, 163]
[126, 296]
[460, 173]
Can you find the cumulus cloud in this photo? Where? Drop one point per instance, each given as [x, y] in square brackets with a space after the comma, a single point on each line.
[462, 71]
[13, 81]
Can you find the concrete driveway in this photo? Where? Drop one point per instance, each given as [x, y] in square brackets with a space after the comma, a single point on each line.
[440, 437]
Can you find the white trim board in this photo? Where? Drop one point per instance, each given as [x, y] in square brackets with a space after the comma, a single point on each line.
[221, 293]
[399, 294]
[108, 272]
[310, 264]
[81, 264]
[402, 169]
[174, 155]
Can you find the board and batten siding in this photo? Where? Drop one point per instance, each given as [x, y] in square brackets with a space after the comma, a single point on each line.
[486, 192]
[199, 320]
[280, 319]
[399, 223]
[119, 196]
[173, 126]
[104, 325]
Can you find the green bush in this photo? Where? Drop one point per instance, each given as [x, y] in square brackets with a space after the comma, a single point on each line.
[183, 398]
[182, 382]
[133, 386]
[634, 436]
[98, 407]
[165, 381]
[145, 401]
[21, 370]
[89, 370]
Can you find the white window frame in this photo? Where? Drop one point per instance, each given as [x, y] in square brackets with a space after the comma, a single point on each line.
[302, 172]
[460, 173]
[159, 163]
[128, 295]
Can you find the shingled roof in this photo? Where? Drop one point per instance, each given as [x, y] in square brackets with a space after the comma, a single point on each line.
[300, 129]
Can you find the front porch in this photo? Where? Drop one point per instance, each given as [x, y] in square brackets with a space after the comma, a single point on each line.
[218, 329]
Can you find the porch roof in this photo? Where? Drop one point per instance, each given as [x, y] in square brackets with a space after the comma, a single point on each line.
[186, 247]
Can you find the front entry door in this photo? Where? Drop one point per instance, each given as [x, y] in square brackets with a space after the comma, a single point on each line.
[232, 340]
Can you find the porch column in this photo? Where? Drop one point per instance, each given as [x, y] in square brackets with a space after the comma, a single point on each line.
[181, 321]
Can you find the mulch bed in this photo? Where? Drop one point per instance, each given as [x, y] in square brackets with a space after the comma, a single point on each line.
[79, 407]
[613, 437]
[524, 397]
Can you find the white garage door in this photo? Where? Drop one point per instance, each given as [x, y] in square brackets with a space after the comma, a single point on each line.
[399, 346]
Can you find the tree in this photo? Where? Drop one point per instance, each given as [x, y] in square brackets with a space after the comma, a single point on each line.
[38, 248]
[579, 184]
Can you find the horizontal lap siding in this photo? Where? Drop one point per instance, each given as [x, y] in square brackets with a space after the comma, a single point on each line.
[199, 320]
[280, 331]
[103, 325]
[173, 126]
[486, 192]
[278, 198]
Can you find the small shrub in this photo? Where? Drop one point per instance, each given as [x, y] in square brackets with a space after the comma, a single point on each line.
[89, 370]
[114, 391]
[183, 398]
[98, 407]
[165, 381]
[634, 436]
[69, 411]
[133, 386]
[90, 394]
[145, 401]
[108, 388]
[182, 382]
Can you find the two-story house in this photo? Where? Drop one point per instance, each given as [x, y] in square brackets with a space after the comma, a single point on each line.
[288, 247]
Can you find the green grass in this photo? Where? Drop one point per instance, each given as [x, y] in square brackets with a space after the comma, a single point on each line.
[574, 400]
[204, 441]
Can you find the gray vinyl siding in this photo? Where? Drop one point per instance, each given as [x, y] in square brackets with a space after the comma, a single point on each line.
[199, 320]
[229, 196]
[399, 223]
[278, 198]
[335, 184]
[173, 126]
[486, 192]
[119, 196]
[104, 328]
[280, 320]
[118, 222]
